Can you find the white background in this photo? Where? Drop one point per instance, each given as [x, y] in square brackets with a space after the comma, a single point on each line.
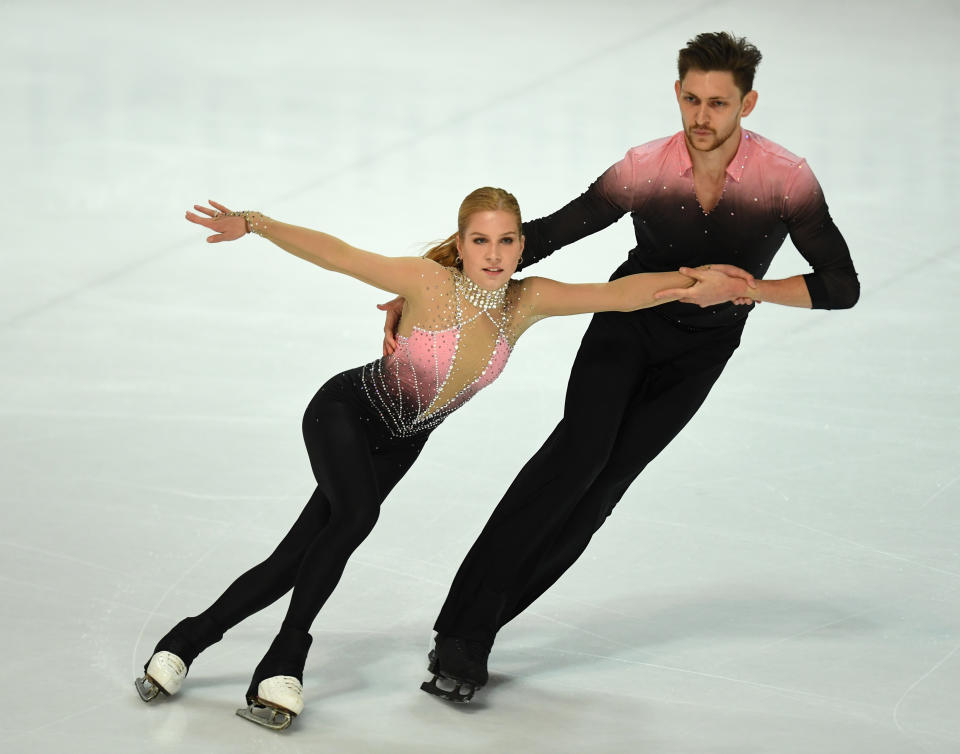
[784, 578]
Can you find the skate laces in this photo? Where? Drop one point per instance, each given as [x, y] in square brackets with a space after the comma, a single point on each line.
[168, 663]
[285, 684]
[283, 691]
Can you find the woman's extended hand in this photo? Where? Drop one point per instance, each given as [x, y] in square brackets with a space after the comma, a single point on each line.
[227, 228]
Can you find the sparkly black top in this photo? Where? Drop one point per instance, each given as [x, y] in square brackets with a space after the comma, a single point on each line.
[769, 194]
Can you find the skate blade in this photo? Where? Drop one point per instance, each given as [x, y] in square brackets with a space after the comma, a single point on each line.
[148, 689]
[273, 718]
[458, 692]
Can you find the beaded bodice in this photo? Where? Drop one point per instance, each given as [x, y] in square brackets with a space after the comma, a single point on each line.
[458, 344]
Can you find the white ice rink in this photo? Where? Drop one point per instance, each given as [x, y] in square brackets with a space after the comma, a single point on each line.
[785, 578]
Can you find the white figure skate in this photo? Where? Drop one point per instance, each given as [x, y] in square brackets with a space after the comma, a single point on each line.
[164, 675]
[279, 699]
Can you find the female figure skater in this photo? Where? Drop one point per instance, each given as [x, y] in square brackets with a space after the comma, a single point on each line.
[366, 426]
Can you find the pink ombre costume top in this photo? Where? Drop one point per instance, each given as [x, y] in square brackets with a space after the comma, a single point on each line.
[769, 193]
[453, 350]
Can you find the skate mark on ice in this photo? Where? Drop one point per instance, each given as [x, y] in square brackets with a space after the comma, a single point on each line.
[796, 635]
[770, 471]
[116, 699]
[916, 683]
[847, 540]
[586, 631]
[397, 572]
[219, 497]
[221, 533]
[868, 548]
[46, 587]
[168, 418]
[939, 492]
[60, 556]
[156, 606]
[799, 693]
[595, 606]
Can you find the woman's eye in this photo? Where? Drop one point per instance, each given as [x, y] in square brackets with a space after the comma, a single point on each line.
[508, 240]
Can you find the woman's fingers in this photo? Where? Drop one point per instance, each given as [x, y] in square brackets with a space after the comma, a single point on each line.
[670, 293]
[198, 220]
[206, 210]
[217, 210]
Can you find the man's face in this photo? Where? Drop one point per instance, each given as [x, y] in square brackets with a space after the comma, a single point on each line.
[711, 106]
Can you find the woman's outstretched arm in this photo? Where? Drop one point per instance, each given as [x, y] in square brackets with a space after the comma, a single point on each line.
[639, 291]
[401, 275]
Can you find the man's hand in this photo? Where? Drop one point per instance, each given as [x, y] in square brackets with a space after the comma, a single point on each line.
[715, 284]
[393, 309]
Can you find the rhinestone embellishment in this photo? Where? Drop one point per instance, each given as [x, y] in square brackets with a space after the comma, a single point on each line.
[480, 297]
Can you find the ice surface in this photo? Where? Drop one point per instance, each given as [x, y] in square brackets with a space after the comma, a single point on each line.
[784, 578]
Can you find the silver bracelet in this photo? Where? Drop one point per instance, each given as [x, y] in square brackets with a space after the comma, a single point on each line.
[255, 220]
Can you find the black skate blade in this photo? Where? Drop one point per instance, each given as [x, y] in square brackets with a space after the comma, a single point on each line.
[148, 689]
[273, 718]
[458, 692]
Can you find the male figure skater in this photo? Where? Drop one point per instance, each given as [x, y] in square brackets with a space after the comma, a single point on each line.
[712, 192]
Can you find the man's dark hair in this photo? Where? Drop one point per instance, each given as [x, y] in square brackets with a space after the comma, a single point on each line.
[721, 51]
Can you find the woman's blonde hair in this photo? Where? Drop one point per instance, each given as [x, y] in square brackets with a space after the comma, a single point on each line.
[484, 199]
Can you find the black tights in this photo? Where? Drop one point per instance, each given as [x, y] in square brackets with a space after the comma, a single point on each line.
[636, 382]
[355, 465]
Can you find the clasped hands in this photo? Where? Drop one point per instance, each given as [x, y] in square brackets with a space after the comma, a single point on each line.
[715, 284]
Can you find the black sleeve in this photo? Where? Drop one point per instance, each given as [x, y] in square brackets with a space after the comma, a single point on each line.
[833, 283]
[588, 213]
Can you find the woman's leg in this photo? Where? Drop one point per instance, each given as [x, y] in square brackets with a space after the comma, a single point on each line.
[353, 481]
[260, 586]
[273, 577]
[270, 579]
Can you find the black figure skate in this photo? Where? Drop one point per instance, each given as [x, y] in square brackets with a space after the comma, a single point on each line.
[459, 668]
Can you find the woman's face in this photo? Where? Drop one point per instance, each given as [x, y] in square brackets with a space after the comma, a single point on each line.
[490, 247]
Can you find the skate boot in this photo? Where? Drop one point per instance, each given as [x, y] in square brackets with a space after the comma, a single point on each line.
[459, 668]
[163, 674]
[275, 695]
[168, 665]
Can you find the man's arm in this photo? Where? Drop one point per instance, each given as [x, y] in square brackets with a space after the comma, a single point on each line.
[833, 284]
[588, 213]
[719, 283]
[585, 215]
[790, 291]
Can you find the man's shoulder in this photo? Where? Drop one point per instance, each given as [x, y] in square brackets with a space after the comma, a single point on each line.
[772, 153]
[783, 171]
[657, 148]
[650, 159]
